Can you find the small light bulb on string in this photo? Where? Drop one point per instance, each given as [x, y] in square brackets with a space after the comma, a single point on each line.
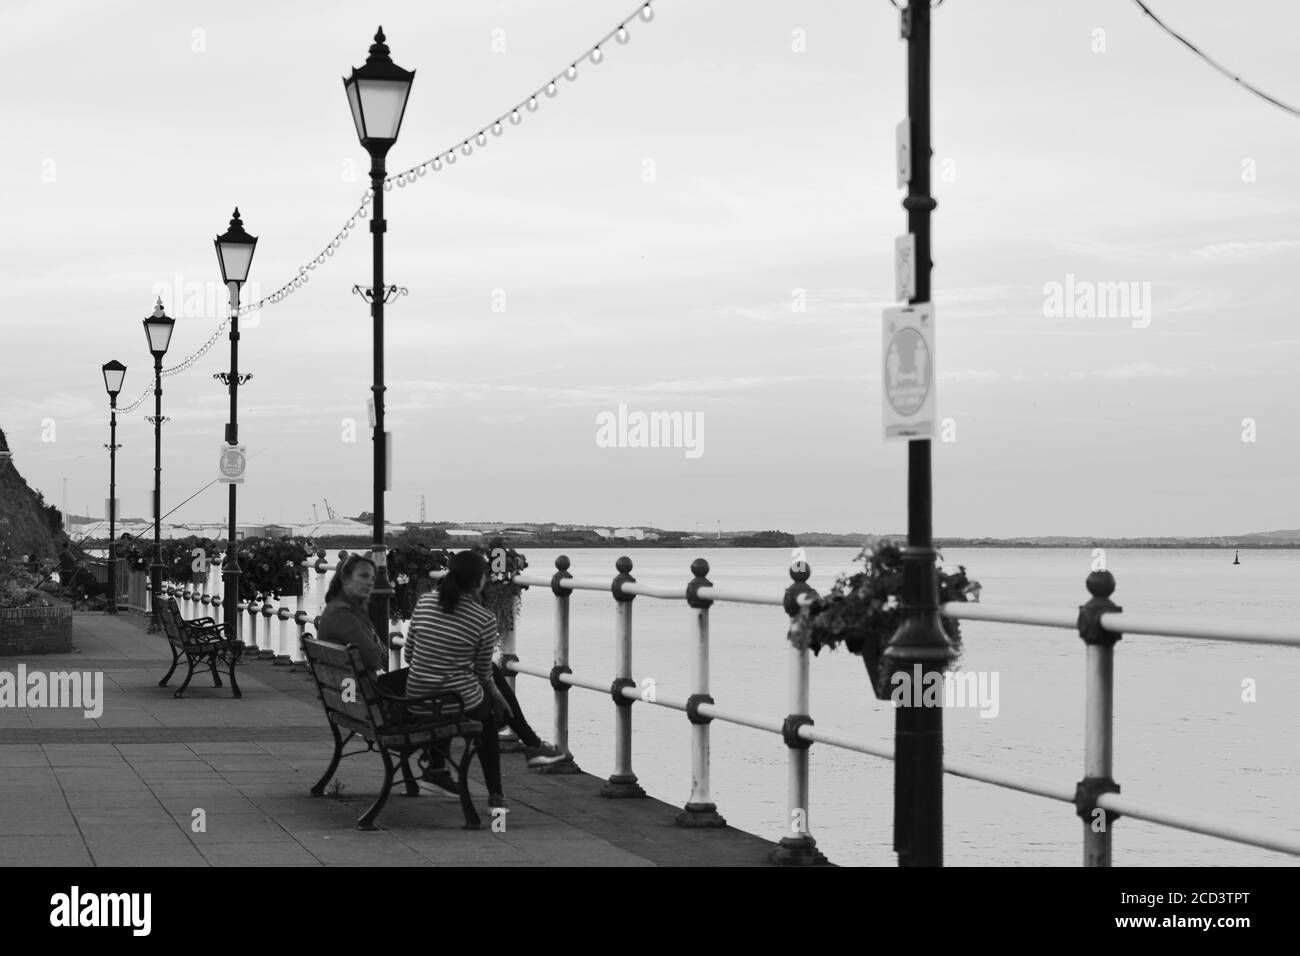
[481, 139]
[551, 88]
[451, 157]
[388, 185]
[422, 169]
[597, 55]
[622, 36]
[571, 73]
[437, 164]
[532, 104]
[401, 182]
[466, 148]
[647, 14]
[515, 117]
[496, 128]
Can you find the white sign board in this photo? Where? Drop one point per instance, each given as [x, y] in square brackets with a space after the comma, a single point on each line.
[904, 267]
[231, 467]
[903, 140]
[907, 354]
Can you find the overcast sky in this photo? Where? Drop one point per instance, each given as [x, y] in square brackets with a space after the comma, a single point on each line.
[648, 232]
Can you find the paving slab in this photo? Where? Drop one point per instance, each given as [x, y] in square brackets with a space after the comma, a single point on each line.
[123, 789]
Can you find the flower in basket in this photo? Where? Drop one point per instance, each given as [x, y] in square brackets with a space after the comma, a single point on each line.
[862, 610]
[501, 595]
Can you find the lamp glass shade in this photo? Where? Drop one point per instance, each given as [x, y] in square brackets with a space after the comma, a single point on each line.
[235, 258]
[382, 104]
[351, 87]
[114, 372]
[158, 329]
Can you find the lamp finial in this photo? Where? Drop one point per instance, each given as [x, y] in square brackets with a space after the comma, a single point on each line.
[379, 49]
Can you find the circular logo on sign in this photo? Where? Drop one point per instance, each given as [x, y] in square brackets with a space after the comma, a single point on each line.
[907, 372]
[232, 462]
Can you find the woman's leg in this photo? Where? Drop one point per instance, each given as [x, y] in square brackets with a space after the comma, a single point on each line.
[489, 750]
[527, 736]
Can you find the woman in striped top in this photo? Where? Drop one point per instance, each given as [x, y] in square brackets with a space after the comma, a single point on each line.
[450, 644]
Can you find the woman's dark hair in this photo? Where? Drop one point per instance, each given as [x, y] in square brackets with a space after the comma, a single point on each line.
[345, 571]
[464, 572]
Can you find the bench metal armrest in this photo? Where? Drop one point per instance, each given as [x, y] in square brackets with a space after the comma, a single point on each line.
[439, 703]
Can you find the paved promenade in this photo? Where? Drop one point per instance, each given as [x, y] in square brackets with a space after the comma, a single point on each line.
[128, 788]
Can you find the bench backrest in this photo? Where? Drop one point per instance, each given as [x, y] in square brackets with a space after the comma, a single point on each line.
[346, 688]
[169, 612]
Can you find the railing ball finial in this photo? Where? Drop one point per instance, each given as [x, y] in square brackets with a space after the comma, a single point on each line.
[1101, 584]
[800, 572]
[700, 568]
[624, 566]
[562, 563]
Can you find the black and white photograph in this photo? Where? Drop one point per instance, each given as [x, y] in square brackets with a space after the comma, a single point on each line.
[586, 434]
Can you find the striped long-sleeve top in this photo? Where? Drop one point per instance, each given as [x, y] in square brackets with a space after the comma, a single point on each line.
[450, 652]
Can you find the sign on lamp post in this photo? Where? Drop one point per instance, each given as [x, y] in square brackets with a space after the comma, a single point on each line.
[233, 462]
[907, 351]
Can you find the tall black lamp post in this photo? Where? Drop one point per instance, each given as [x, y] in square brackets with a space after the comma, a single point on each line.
[114, 373]
[158, 330]
[235, 256]
[377, 93]
[919, 641]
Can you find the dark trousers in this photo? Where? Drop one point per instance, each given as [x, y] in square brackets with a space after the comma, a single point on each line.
[489, 749]
[527, 736]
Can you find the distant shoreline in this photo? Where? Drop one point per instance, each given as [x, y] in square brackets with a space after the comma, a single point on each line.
[524, 543]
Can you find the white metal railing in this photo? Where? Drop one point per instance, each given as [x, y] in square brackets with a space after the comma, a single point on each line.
[1099, 622]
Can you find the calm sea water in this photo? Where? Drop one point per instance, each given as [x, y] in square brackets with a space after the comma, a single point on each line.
[1183, 734]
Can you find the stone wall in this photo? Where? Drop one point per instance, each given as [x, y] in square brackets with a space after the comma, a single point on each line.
[35, 630]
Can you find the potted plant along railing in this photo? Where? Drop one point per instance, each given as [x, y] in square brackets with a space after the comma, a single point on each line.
[409, 565]
[501, 595]
[862, 610]
[273, 567]
[186, 560]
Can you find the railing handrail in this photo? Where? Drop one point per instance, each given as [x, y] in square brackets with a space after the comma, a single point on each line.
[700, 593]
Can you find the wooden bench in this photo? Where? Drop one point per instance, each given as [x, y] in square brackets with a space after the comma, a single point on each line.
[201, 641]
[394, 725]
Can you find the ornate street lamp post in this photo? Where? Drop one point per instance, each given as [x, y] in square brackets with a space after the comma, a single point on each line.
[235, 256]
[377, 93]
[114, 373]
[158, 330]
[919, 644]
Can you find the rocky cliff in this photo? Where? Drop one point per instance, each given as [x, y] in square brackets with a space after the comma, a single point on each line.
[26, 524]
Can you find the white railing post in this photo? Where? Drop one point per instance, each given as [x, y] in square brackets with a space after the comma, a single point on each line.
[1098, 721]
[561, 666]
[282, 615]
[266, 643]
[299, 618]
[623, 781]
[250, 624]
[797, 848]
[700, 811]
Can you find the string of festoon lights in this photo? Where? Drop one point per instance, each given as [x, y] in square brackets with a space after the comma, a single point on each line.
[594, 54]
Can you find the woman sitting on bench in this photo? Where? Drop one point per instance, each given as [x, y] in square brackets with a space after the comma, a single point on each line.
[449, 646]
[344, 620]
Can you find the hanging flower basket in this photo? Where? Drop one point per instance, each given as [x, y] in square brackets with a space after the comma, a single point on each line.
[862, 610]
